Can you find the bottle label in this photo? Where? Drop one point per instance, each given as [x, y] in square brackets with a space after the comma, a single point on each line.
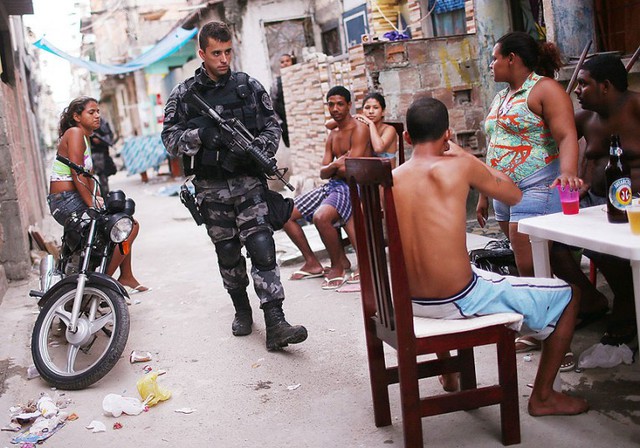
[620, 193]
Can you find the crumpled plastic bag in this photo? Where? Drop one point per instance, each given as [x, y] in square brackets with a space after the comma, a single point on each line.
[395, 35]
[600, 355]
[96, 426]
[115, 405]
[150, 390]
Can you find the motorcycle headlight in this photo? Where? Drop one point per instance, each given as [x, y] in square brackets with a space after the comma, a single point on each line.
[119, 227]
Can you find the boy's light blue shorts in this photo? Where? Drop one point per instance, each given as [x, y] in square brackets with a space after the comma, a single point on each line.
[540, 300]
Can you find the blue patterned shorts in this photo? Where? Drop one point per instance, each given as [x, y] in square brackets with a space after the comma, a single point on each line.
[335, 193]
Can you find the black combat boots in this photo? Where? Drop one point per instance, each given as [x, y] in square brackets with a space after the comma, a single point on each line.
[242, 321]
[279, 332]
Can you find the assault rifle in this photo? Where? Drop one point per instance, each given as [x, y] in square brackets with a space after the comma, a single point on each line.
[239, 138]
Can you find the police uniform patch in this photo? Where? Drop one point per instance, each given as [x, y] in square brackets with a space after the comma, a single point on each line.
[266, 101]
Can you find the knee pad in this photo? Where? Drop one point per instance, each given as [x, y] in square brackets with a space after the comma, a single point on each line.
[228, 252]
[262, 250]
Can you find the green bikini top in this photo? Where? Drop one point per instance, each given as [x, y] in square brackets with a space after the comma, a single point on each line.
[61, 172]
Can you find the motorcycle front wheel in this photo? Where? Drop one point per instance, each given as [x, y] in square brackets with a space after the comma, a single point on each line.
[73, 361]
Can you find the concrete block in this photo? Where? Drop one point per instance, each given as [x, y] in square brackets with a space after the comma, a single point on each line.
[409, 79]
[444, 95]
[417, 51]
[390, 81]
[4, 283]
[431, 76]
[396, 54]
[474, 116]
[15, 250]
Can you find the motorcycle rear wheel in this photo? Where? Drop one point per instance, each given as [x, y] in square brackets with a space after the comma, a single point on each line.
[73, 361]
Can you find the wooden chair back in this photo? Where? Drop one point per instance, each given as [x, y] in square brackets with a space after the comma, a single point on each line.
[388, 318]
[399, 127]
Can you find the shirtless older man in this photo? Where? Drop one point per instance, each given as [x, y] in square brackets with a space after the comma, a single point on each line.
[430, 192]
[329, 205]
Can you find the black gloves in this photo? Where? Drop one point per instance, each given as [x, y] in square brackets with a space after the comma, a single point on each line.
[211, 138]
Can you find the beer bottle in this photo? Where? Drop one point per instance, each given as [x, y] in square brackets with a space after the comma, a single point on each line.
[618, 183]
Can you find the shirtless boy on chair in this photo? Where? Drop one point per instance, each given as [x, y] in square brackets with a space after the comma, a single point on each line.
[430, 192]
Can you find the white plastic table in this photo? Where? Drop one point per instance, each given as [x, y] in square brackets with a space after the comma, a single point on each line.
[589, 229]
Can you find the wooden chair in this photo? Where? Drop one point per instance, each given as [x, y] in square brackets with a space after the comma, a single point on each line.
[388, 318]
[399, 127]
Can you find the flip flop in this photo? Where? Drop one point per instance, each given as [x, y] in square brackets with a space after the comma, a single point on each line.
[334, 283]
[585, 319]
[303, 275]
[354, 278]
[619, 332]
[527, 345]
[568, 362]
[353, 287]
[137, 290]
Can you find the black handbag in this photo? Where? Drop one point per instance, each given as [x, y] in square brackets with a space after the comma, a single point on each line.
[496, 256]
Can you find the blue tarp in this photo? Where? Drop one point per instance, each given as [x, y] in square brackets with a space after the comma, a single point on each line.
[165, 47]
[142, 153]
[443, 6]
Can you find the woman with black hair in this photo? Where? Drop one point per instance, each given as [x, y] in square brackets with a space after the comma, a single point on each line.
[383, 137]
[71, 194]
[532, 139]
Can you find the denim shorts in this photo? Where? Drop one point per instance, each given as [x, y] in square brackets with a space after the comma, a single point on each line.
[63, 205]
[537, 198]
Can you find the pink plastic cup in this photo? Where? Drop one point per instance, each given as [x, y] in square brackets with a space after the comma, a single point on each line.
[570, 200]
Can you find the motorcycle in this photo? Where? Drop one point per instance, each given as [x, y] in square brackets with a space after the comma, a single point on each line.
[83, 325]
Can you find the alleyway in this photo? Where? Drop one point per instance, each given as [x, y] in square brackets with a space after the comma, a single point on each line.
[315, 394]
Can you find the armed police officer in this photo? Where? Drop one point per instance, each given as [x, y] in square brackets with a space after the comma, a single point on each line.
[229, 184]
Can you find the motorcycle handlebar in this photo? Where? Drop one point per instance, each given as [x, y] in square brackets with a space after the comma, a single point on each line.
[77, 168]
[82, 172]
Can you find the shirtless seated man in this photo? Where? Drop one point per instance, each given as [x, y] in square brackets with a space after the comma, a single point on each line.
[329, 205]
[607, 107]
[430, 192]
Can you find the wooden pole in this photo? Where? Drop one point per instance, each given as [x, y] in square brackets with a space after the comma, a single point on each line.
[578, 67]
[633, 60]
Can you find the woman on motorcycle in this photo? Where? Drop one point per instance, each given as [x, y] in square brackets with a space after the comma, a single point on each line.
[70, 193]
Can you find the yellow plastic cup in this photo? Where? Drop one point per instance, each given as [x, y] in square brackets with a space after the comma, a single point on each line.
[633, 213]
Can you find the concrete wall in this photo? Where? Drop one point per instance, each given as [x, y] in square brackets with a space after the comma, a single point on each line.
[444, 68]
[570, 25]
[22, 184]
[492, 20]
[254, 54]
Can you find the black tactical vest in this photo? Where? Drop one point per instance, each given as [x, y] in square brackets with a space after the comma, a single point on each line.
[233, 100]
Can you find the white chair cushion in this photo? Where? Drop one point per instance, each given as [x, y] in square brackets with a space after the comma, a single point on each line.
[424, 326]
